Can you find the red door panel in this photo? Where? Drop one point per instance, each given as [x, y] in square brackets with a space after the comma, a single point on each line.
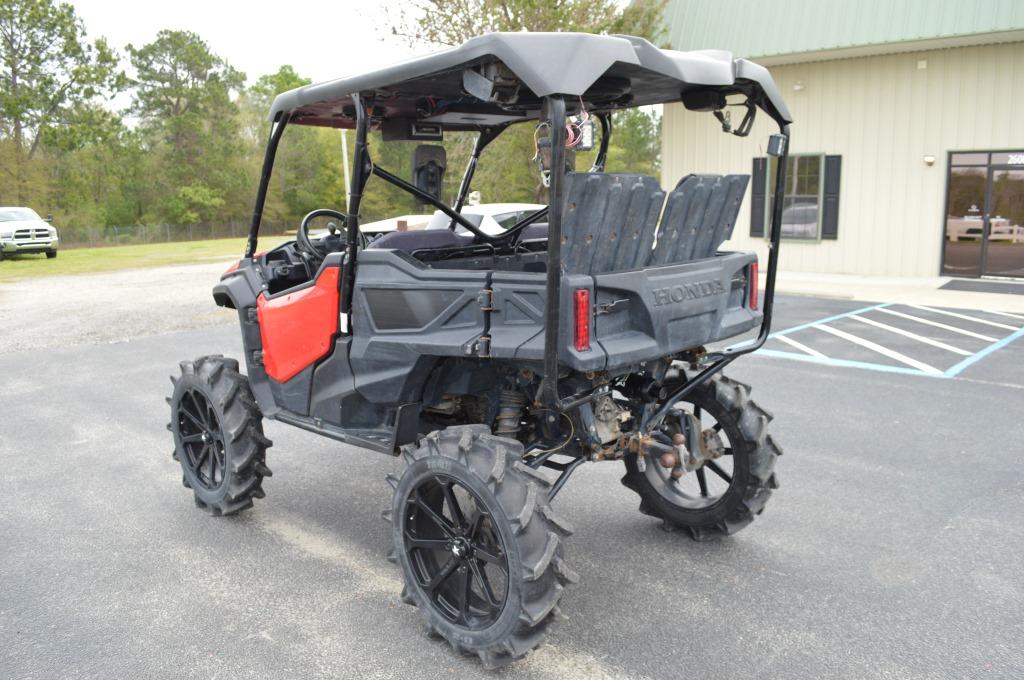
[297, 328]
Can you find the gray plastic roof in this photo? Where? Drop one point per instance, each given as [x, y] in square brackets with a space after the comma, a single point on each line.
[606, 71]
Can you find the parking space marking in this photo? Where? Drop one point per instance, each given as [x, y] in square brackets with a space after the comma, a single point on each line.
[843, 363]
[933, 367]
[912, 336]
[953, 371]
[964, 316]
[884, 351]
[1012, 316]
[827, 319]
[800, 346]
[938, 324]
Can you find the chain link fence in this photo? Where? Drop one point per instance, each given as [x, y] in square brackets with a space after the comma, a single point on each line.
[159, 233]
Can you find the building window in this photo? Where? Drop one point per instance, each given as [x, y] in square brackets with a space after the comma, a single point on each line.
[801, 206]
[810, 210]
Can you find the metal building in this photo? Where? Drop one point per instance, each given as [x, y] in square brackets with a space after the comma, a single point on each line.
[908, 147]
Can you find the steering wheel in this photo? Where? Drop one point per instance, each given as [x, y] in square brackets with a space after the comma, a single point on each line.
[320, 250]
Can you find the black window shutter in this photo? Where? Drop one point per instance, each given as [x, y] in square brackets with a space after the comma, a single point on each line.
[757, 193]
[830, 207]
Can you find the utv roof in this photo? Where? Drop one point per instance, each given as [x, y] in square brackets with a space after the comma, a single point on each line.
[501, 77]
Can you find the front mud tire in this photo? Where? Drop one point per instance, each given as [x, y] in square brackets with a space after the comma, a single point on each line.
[754, 453]
[215, 421]
[515, 497]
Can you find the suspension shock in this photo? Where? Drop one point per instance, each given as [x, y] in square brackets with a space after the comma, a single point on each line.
[510, 413]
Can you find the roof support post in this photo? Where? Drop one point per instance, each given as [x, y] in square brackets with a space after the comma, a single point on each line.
[556, 117]
[775, 235]
[261, 191]
[360, 173]
[606, 135]
[719, 360]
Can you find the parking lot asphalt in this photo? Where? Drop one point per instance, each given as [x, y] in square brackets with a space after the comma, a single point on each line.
[892, 549]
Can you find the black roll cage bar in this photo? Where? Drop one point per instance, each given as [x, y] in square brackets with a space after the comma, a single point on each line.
[555, 108]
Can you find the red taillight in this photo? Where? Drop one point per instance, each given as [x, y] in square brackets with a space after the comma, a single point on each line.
[581, 306]
[752, 283]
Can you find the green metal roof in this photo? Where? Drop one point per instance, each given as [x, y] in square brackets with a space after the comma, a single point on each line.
[823, 29]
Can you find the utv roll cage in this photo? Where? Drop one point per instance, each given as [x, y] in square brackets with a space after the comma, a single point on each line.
[498, 80]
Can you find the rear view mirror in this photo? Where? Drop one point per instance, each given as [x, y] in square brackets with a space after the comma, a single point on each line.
[428, 167]
[704, 101]
[777, 145]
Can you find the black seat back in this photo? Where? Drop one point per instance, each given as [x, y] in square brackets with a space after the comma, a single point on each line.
[699, 215]
[608, 221]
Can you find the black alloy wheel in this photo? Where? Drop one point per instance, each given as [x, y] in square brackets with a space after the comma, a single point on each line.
[478, 544]
[708, 484]
[732, 486]
[218, 435]
[456, 554]
[201, 439]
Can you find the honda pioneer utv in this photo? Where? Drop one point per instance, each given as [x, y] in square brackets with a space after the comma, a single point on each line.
[495, 365]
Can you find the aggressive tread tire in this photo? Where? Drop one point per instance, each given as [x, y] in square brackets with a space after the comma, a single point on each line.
[516, 497]
[754, 456]
[240, 422]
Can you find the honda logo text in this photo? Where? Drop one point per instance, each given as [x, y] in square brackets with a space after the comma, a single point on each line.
[688, 291]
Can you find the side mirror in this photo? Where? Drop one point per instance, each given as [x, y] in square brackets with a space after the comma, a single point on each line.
[49, 217]
[777, 145]
[428, 167]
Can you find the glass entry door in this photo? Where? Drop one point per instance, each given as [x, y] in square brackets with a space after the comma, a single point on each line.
[984, 229]
[1004, 245]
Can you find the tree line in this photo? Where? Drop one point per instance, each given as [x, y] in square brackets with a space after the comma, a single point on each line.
[188, 146]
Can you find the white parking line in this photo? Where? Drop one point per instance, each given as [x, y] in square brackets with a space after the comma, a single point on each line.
[800, 346]
[913, 336]
[929, 322]
[1012, 316]
[885, 351]
[964, 316]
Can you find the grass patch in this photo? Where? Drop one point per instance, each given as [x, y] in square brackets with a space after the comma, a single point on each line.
[115, 258]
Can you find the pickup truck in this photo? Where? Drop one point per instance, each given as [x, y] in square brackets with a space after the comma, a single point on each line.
[22, 230]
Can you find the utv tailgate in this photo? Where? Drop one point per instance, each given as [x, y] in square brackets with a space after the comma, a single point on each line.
[650, 313]
[636, 315]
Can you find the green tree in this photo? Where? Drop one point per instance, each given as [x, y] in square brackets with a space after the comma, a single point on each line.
[636, 142]
[51, 78]
[267, 87]
[307, 170]
[182, 93]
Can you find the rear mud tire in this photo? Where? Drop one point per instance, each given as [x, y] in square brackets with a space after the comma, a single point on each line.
[753, 478]
[235, 434]
[515, 496]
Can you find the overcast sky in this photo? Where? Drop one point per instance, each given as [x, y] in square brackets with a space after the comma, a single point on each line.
[322, 39]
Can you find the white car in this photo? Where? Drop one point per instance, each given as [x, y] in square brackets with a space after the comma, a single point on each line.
[22, 230]
[400, 223]
[490, 218]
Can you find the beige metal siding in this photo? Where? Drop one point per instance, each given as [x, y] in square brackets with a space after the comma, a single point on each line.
[883, 115]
